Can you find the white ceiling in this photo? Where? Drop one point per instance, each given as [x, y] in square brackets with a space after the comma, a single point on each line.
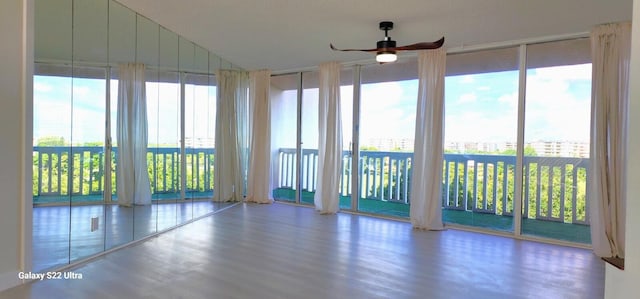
[293, 34]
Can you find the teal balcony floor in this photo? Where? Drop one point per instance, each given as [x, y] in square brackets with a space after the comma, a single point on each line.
[576, 233]
[95, 198]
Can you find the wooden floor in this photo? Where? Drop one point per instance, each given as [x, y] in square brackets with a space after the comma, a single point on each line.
[284, 251]
[62, 234]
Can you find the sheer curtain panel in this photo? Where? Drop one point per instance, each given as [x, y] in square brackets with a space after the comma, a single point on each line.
[132, 175]
[259, 171]
[610, 50]
[230, 135]
[426, 188]
[326, 198]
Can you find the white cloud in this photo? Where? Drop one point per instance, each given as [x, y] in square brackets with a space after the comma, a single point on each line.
[42, 87]
[553, 111]
[467, 98]
[468, 79]
[475, 126]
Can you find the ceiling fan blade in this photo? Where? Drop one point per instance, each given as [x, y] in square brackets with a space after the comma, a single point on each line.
[418, 46]
[346, 50]
[421, 46]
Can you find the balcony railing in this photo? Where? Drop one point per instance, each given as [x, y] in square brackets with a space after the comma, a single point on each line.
[79, 171]
[554, 187]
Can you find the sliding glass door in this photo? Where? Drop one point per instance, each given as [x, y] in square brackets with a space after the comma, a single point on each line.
[388, 99]
[481, 121]
[556, 138]
[284, 135]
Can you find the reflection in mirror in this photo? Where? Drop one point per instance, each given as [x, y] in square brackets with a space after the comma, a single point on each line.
[186, 64]
[122, 45]
[198, 135]
[51, 133]
[79, 45]
[214, 63]
[147, 51]
[163, 113]
[86, 161]
[51, 147]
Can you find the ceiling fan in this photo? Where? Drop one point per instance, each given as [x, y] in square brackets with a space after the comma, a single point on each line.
[386, 49]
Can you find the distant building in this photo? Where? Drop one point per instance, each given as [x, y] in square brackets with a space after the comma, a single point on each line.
[198, 142]
[391, 144]
[542, 148]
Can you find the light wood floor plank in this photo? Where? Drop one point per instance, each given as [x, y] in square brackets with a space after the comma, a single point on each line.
[284, 251]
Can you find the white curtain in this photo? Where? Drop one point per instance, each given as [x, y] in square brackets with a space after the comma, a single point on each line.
[610, 50]
[326, 198]
[132, 175]
[426, 166]
[258, 183]
[231, 135]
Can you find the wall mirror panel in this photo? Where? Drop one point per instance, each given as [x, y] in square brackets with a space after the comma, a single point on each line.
[199, 134]
[147, 53]
[121, 48]
[52, 134]
[164, 130]
[186, 66]
[86, 162]
[79, 48]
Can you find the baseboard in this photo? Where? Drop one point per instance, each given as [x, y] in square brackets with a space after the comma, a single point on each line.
[9, 280]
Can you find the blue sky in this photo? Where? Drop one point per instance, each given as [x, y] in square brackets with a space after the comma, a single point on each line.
[479, 107]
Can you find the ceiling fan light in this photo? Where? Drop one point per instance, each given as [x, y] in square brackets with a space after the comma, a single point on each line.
[384, 57]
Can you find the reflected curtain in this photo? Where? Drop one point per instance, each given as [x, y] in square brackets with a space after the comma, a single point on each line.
[132, 174]
[231, 135]
[259, 172]
[426, 166]
[326, 198]
[610, 50]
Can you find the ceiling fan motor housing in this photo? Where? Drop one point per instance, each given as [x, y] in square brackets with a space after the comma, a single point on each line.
[384, 45]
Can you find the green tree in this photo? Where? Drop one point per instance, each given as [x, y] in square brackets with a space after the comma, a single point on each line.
[51, 141]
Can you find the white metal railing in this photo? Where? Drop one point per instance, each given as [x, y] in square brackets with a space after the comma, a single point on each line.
[554, 187]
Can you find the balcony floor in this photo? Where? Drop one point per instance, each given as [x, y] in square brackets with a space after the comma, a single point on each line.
[575, 233]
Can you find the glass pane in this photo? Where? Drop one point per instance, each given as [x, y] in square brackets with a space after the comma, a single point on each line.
[556, 154]
[284, 123]
[481, 110]
[51, 148]
[200, 109]
[163, 112]
[86, 163]
[387, 130]
[122, 47]
[309, 127]
[190, 166]
[52, 109]
[346, 109]
[147, 52]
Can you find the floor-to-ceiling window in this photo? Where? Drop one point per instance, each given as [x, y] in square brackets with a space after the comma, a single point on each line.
[388, 99]
[556, 140]
[504, 106]
[309, 136]
[284, 124]
[480, 137]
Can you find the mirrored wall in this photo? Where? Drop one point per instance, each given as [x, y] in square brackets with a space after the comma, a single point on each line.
[79, 45]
